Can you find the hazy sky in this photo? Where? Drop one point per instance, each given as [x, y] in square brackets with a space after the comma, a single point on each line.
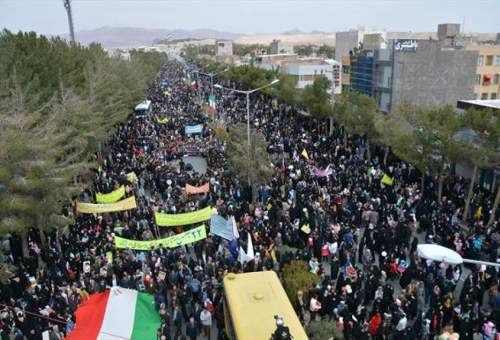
[252, 16]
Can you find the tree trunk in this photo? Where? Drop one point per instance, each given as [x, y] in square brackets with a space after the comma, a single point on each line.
[254, 193]
[330, 120]
[495, 207]
[24, 240]
[368, 151]
[386, 154]
[441, 179]
[422, 183]
[469, 194]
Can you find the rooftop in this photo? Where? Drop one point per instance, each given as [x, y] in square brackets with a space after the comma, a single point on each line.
[491, 103]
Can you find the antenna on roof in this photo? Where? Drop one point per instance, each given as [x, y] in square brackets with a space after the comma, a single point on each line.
[67, 6]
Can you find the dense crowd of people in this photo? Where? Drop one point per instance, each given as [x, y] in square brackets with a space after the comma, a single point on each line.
[358, 235]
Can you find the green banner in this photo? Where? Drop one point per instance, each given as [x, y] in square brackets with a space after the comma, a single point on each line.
[112, 197]
[178, 240]
[172, 220]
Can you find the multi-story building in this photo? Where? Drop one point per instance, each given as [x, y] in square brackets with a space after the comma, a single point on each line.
[419, 72]
[345, 42]
[487, 76]
[431, 75]
[361, 74]
[224, 48]
[306, 70]
[279, 47]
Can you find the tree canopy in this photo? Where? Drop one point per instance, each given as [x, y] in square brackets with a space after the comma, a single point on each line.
[58, 103]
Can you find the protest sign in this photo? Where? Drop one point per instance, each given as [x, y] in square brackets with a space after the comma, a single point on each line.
[221, 227]
[162, 120]
[322, 173]
[170, 220]
[178, 240]
[197, 190]
[132, 177]
[90, 208]
[86, 267]
[112, 197]
[193, 129]
[387, 180]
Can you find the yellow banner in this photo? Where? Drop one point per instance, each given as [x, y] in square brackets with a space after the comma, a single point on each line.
[112, 197]
[171, 220]
[178, 240]
[90, 208]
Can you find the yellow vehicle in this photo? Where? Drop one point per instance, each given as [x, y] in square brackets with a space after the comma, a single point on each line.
[252, 300]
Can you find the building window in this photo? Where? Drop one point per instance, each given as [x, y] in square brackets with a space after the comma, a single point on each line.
[494, 95]
[486, 79]
[489, 60]
[480, 60]
[497, 60]
[496, 78]
[478, 79]
[484, 96]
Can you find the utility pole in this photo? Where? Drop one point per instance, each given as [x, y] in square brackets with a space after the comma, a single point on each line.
[67, 6]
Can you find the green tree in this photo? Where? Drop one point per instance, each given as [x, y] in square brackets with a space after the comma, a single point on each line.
[249, 77]
[427, 139]
[285, 90]
[297, 277]
[304, 50]
[39, 164]
[326, 51]
[316, 98]
[58, 104]
[323, 330]
[358, 113]
[244, 49]
[249, 164]
[483, 140]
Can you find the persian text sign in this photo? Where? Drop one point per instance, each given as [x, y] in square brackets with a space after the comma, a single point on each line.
[171, 220]
[90, 208]
[405, 45]
[178, 240]
[112, 197]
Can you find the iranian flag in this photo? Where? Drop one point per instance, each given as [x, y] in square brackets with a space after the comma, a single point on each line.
[116, 314]
[194, 84]
[211, 104]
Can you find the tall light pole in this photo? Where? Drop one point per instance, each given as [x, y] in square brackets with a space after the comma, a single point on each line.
[67, 6]
[212, 75]
[439, 253]
[247, 93]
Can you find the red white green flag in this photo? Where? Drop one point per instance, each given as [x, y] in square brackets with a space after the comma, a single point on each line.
[194, 84]
[211, 104]
[116, 314]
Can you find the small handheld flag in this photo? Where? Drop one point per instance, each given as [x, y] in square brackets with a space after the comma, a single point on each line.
[305, 154]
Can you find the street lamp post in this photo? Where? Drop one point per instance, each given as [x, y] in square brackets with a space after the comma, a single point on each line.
[247, 93]
[212, 75]
[439, 253]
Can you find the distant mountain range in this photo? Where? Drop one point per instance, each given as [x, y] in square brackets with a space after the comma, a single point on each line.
[126, 37]
[112, 37]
